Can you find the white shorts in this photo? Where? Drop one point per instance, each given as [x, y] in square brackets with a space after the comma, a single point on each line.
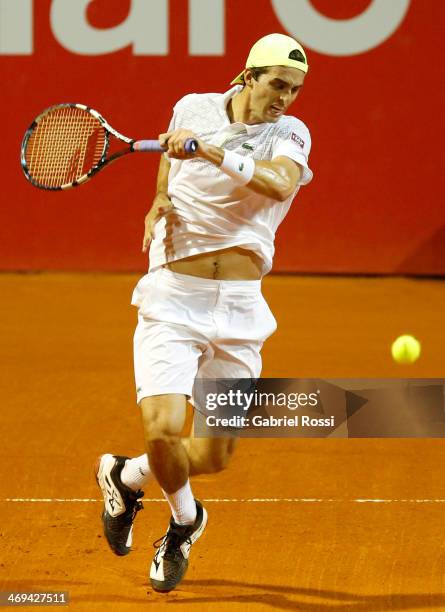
[190, 327]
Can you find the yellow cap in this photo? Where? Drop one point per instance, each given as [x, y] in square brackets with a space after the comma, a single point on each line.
[275, 50]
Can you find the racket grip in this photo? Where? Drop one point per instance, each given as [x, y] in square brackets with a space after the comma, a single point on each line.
[153, 146]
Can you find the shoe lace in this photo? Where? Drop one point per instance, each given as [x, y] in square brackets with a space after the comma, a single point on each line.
[137, 505]
[171, 541]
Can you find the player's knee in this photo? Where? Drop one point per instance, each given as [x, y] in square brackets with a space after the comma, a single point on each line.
[208, 456]
[162, 417]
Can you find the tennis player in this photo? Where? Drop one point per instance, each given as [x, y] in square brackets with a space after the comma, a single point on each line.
[201, 313]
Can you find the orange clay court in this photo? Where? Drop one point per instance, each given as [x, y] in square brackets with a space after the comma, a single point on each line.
[309, 524]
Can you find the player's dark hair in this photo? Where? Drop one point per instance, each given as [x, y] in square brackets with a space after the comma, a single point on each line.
[257, 72]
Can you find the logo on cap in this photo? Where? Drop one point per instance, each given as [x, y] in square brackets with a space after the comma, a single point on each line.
[297, 55]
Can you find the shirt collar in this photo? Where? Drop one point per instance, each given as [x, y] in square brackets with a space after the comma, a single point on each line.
[237, 127]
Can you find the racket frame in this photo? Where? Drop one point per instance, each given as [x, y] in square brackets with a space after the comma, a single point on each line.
[103, 161]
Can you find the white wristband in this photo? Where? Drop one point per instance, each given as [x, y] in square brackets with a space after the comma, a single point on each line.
[238, 167]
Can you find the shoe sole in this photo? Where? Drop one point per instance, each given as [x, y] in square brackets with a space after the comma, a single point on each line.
[161, 587]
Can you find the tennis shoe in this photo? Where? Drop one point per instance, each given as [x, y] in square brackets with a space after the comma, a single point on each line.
[121, 504]
[171, 559]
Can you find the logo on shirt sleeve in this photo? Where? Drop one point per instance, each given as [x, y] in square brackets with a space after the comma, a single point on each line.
[297, 139]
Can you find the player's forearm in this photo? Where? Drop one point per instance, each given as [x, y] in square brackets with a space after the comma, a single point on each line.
[268, 178]
[211, 153]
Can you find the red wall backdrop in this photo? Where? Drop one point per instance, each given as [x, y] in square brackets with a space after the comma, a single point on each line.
[376, 118]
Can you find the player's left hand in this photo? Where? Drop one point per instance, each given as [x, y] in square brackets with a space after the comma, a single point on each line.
[174, 143]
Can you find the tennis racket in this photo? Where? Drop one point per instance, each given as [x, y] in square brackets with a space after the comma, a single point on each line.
[68, 143]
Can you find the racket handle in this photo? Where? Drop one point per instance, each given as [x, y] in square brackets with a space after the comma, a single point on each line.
[153, 146]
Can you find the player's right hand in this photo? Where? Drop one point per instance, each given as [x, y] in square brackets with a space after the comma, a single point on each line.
[173, 143]
[161, 205]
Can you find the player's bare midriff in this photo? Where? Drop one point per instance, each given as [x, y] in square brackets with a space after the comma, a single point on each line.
[234, 263]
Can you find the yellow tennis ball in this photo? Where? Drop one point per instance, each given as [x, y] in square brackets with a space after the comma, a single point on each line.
[405, 349]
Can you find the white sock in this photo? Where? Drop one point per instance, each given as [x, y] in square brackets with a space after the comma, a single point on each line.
[182, 504]
[136, 472]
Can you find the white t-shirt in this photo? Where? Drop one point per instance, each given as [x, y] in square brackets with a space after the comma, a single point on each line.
[211, 212]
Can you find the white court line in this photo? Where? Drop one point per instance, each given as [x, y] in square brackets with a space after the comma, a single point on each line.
[256, 500]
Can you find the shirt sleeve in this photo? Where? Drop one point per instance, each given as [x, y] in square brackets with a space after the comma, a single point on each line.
[294, 140]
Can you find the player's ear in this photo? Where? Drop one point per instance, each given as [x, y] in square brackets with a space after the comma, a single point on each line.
[248, 77]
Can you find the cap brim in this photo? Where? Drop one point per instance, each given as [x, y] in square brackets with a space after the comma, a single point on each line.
[238, 80]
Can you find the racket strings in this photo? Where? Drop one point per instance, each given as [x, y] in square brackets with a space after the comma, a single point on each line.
[64, 146]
